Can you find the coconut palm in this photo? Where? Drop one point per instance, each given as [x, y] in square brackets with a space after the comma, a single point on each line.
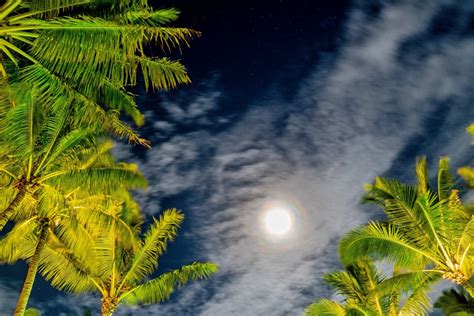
[65, 228]
[122, 266]
[41, 157]
[367, 292]
[43, 162]
[426, 231]
[84, 53]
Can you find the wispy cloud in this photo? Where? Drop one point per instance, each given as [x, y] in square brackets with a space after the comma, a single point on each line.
[8, 296]
[362, 114]
[351, 121]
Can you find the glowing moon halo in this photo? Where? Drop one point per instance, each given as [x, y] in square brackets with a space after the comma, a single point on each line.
[277, 221]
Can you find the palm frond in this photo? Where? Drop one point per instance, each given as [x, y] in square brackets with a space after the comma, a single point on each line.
[19, 243]
[418, 303]
[145, 260]
[467, 173]
[21, 126]
[52, 8]
[162, 73]
[32, 312]
[445, 179]
[57, 267]
[106, 248]
[325, 307]
[399, 203]
[26, 207]
[67, 147]
[57, 93]
[434, 223]
[100, 85]
[77, 238]
[100, 155]
[101, 35]
[465, 245]
[161, 288]
[346, 284]
[422, 177]
[98, 178]
[378, 241]
[147, 17]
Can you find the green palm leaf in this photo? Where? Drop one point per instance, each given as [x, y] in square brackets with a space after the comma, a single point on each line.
[161, 288]
[146, 259]
[21, 124]
[325, 307]
[445, 179]
[146, 17]
[57, 267]
[379, 241]
[98, 178]
[17, 243]
[58, 93]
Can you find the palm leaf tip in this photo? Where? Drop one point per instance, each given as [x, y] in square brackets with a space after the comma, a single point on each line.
[157, 237]
[467, 173]
[161, 288]
[422, 174]
[377, 241]
[325, 307]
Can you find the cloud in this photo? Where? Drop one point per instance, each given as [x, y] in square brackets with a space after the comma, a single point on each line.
[394, 91]
[356, 118]
[8, 297]
[70, 305]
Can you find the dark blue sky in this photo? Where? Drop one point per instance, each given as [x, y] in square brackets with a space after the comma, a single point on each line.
[298, 103]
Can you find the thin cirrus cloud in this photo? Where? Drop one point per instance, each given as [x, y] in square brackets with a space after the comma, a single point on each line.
[368, 112]
[398, 87]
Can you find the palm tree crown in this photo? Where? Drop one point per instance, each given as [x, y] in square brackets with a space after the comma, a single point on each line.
[121, 264]
[367, 292]
[44, 164]
[43, 158]
[84, 53]
[426, 230]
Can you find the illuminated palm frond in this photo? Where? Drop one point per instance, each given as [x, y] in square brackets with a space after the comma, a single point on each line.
[426, 229]
[82, 54]
[366, 292]
[121, 262]
[160, 289]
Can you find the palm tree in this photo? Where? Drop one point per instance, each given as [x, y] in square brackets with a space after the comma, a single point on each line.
[366, 292]
[43, 162]
[84, 53]
[426, 231]
[122, 266]
[66, 229]
[42, 157]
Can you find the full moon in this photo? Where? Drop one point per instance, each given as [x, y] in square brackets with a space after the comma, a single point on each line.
[277, 221]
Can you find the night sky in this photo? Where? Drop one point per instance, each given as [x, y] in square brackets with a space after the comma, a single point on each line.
[296, 103]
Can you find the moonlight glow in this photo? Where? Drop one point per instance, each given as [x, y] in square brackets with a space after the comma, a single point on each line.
[277, 221]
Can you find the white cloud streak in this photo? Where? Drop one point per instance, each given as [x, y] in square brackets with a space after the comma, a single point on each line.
[349, 123]
[353, 119]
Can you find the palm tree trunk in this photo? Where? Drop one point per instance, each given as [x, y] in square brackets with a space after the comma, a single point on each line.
[32, 269]
[5, 215]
